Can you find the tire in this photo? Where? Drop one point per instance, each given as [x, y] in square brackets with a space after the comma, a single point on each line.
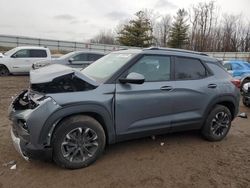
[244, 102]
[78, 142]
[246, 80]
[4, 71]
[218, 124]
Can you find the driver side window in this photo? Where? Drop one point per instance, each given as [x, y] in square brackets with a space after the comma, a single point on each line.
[80, 57]
[22, 54]
[153, 68]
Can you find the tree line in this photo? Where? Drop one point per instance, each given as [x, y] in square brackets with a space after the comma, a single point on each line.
[200, 28]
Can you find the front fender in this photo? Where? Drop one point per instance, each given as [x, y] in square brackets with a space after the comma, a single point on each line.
[73, 109]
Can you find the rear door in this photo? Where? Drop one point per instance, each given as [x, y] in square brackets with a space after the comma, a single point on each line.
[194, 88]
[146, 107]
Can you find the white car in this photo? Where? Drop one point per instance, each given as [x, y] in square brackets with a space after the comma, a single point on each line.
[20, 59]
[76, 59]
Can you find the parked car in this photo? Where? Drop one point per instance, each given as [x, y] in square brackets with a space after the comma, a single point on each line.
[1, 55]
[20, 59]
[70, 116]
[246, 94]
[238, 69]
[77, 59]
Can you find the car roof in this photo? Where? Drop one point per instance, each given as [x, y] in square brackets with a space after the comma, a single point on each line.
[89, 52]
[170, 51]
[32, 47]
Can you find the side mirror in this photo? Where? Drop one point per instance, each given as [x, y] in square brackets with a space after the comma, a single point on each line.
[14, 56]
[71, 60]
[133, 78]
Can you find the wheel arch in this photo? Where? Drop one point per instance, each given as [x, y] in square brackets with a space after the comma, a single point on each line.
[227, 101]
[97, 112]
[5, 67]
[246, 77]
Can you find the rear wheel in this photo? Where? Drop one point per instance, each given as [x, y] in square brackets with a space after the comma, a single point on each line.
[4, 71]
[78, 142]
[218, 124]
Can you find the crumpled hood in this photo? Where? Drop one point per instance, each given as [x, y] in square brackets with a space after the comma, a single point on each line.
[48, 73]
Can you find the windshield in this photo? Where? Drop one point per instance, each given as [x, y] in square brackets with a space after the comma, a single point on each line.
[105, 67]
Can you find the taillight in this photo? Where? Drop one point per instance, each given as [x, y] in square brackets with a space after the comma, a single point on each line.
[236, 82]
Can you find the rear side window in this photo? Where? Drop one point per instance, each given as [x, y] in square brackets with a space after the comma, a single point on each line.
[38, 53]
[94, 57]
[189, 69]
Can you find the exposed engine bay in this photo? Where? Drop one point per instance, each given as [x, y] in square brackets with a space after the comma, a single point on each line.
[62, 84]
[23, 101]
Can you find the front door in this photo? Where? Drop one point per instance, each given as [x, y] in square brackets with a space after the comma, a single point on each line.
[148, 106]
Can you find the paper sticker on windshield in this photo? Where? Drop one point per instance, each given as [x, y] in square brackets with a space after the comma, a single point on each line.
[124, 55]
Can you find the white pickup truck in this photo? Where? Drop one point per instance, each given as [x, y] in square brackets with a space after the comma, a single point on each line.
[20, 59]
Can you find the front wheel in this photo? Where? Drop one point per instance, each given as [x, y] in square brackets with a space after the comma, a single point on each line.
[78, 142]
[4, 71]
[218, 124]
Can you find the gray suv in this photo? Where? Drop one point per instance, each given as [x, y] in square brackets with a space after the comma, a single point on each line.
[70, 116]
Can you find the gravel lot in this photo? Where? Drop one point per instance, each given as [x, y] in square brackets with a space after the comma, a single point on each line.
[185, 160]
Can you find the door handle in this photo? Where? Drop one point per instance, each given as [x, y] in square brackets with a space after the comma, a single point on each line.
[212, 86]
[167, 88]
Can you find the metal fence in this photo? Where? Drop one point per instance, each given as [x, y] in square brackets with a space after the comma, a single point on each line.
[230, 55]
[59, 45]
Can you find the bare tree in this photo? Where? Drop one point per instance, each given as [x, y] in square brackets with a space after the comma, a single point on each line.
[104, 37]
[161, 30]
[202, 18]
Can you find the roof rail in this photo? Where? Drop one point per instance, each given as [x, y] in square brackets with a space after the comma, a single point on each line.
[175, 50]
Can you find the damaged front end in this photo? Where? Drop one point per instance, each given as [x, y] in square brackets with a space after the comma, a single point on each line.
[28, 113]
[30, 110]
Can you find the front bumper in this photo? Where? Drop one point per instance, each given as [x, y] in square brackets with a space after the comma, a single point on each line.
[16, 142]
[27, 151]
[26, 127]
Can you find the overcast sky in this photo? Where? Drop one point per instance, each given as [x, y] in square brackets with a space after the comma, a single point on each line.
[79, 20]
